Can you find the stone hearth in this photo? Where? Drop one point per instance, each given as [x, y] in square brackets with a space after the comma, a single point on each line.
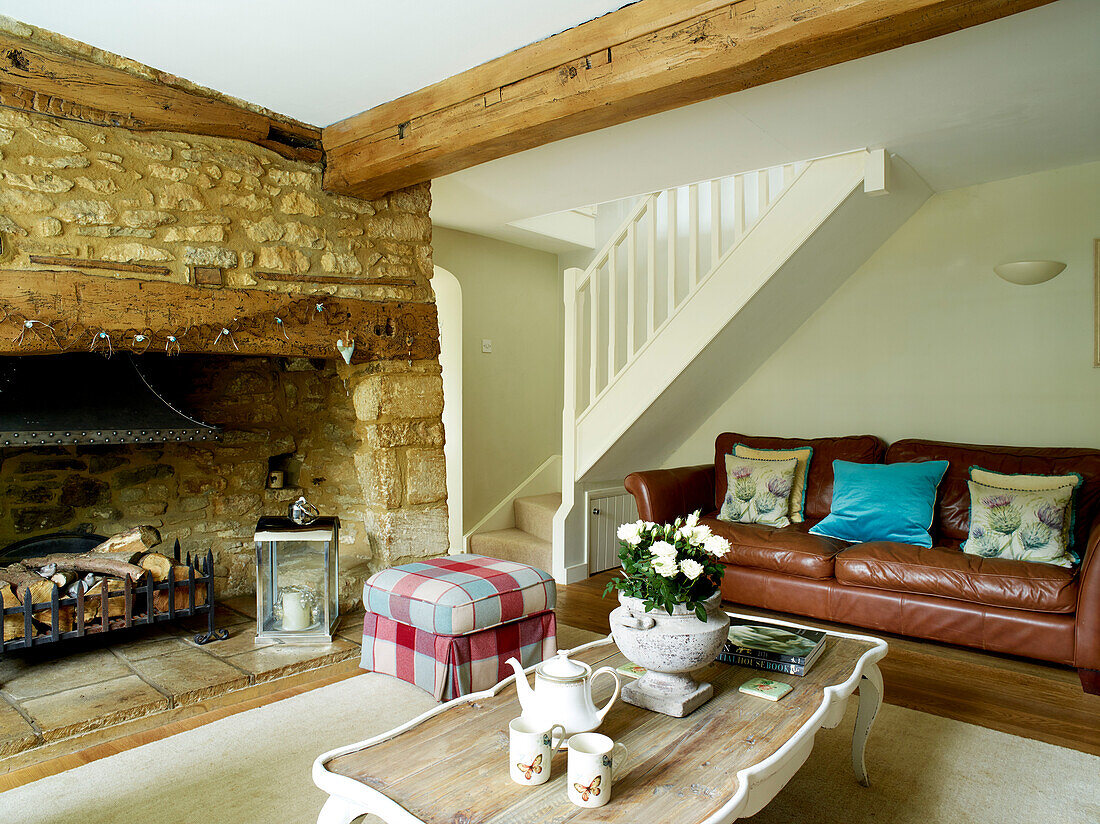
[52, 703]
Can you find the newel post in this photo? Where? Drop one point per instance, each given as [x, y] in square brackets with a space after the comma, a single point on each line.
[568, 424]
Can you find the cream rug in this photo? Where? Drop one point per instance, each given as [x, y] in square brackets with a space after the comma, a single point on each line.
[254, 768]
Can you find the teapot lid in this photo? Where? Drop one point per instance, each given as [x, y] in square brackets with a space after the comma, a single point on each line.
[562, 668]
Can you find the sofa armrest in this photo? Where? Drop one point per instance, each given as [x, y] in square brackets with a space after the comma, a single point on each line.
[1087, 646]
[665, 494]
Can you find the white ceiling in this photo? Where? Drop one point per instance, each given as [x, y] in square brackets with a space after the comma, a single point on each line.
[1010, 97]
[1018, 95]
[320, 60]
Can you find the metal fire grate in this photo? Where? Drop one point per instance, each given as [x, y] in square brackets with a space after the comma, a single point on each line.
[133, 605]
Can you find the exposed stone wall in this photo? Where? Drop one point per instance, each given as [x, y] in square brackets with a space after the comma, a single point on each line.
[74, 190]
[371, 433]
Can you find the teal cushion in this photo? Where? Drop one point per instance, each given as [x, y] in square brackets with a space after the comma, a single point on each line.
[883, 502]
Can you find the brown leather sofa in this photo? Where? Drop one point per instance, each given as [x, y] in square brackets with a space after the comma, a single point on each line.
[941, 594]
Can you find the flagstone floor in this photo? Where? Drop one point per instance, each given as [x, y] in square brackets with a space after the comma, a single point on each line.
[52, 703]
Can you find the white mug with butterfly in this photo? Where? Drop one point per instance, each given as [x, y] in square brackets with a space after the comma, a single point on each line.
[530, 751]
[592, 768]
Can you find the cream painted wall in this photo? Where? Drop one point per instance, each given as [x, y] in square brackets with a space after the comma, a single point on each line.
[512, 398]
[924, 340]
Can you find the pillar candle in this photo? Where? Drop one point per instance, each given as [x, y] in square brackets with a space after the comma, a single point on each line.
[296, 615]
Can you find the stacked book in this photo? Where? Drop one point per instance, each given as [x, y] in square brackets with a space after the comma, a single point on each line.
[767, 646]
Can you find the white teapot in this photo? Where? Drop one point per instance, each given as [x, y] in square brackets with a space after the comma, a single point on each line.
[563, 694]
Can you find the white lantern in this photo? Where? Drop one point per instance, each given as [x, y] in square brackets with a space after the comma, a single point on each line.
[297, 570]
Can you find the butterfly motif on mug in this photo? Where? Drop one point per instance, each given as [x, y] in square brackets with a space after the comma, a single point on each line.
[592, 789]
[534, 768]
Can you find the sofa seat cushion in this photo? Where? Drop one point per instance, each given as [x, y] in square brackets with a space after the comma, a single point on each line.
[948, 573]
[788, 549]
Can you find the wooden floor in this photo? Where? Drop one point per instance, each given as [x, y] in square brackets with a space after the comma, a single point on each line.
[1013, 695]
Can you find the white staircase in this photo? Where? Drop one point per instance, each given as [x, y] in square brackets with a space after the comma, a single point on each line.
[688, 297]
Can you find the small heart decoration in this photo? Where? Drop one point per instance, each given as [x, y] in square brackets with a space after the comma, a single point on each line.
[346, 350]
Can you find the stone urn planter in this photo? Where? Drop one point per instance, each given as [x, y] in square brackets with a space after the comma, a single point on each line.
[670, 647]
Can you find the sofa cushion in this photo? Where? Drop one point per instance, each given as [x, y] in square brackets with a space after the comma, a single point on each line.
[1023, 524]
[789, 549]
[758, 490]
[797, 501]
[1034, 482]
[819, 482]
[948, 573]
[883, 502]
[953, 504]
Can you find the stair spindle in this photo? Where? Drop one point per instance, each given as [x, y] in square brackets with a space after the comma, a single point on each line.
[594, 333]
[715, 222]
[762, 192]
[651, 258]
[631, 274]
[738, 208]
[693, 236]
[612, 319]
[673, 229]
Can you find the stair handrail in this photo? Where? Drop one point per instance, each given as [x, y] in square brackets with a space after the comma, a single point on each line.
[605, 252]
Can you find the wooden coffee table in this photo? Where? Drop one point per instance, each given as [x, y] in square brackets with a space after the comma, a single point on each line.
[725, 761]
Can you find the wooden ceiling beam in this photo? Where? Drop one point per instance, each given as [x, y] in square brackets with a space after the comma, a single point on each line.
[649, 57]
[36, 78]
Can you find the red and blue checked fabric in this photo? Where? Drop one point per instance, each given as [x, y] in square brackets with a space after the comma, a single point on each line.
[449, 666]
[458, 594]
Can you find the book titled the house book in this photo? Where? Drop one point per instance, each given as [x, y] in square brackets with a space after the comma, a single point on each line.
[791, 650]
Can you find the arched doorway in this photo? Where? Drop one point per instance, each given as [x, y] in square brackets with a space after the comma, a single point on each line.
[448, 303]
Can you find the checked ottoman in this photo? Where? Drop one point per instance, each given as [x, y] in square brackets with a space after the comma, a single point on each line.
[448, 625]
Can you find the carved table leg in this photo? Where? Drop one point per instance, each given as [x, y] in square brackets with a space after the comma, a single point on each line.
[339, 811]
[870, 699]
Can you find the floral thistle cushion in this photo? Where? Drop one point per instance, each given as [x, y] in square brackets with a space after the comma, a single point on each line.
[1035, 482]
[758, 490]
[803, 454]
[1019, 524]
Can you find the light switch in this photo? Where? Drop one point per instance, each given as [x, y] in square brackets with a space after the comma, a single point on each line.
[486, 346]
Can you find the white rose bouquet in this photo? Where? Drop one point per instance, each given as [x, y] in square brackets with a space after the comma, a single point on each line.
[670, 564]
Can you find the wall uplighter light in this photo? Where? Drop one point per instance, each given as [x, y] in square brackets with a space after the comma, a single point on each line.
[1029, 272]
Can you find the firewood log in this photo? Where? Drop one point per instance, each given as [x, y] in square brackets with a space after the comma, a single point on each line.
[138, 539]
[63, 578]
[116, 600]
[157, 565]
[13, 624]
[101, 562]
[19, 583]
[41, 592]
[179, 593]
[19, 576]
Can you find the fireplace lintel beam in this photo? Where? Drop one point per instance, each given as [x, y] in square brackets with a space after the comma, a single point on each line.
[52, 312]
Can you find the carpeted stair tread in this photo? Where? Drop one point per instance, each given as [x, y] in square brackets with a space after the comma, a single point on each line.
[513, 545]
[535, 514]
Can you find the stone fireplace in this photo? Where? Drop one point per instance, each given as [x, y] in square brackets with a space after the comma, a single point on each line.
[82, 205]
[293, 415]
